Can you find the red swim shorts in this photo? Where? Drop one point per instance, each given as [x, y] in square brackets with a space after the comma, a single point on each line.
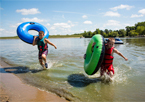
[40, 54]
[106, 68]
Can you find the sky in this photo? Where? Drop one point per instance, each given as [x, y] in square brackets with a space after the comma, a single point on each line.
[70, 16]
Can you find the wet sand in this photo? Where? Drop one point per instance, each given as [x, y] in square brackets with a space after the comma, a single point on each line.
[12, 89]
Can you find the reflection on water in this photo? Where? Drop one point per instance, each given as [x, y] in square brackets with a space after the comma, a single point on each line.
[66, 77]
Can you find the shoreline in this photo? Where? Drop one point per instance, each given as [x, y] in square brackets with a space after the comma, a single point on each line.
[52, 37]
[13, 89]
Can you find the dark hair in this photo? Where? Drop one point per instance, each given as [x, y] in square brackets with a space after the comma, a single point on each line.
[41, 32]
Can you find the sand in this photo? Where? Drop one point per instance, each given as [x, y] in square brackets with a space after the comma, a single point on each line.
[12, 89]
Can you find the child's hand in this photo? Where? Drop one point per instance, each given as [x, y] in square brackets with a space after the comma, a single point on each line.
[55, 47]
[93, 44]
[34, 41]
[35, 37]
[126, 59]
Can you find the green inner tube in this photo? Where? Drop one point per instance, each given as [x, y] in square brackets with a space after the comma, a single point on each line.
[94, 54]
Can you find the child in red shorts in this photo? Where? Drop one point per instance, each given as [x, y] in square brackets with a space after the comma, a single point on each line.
[41, 41]
[107, 64]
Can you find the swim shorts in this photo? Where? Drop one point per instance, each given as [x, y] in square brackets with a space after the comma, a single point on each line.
[106, 68]
[40, 54]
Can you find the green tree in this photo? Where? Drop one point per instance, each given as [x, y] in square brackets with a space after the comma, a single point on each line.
[115, 34]
[90, 34]
[94, 33]
[129, 28]
[139, 24]
[106, 31]
[105, 35]
[98, 31]
[140, 30]
[133, 33]
[110, 31]
[84, 34]
[122, 33]
[101, 32]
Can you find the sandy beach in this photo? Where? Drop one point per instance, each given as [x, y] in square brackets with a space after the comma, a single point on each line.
[12, 89]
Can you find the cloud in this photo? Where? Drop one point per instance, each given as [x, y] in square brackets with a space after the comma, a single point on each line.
[110, 13]
[15, 25]
[2, 29]
[112, 23]
[127, 7]
[47, 24]
[87, 22]
[135, 15]
[52, 28]
[62, 28]
[127, 24]
[5, 33]
[63, 25]
[84, 16]
[73, 13]
[142, 11]
[81, 30]
[28, 11]
[35, 19]
[69, 21]
[68, 12]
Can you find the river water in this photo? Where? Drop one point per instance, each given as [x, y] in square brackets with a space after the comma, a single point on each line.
[66, 77]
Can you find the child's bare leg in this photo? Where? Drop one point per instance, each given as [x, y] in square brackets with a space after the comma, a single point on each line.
[41, 62]
[111, 71]
[111, 74]
[102, 70]
[44, 57]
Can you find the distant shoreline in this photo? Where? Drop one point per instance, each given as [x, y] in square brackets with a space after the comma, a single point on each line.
[51, 36]
[67, 36]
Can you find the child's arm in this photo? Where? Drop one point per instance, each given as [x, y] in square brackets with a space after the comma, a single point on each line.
[47, 41]
[34, 41]
[116, 51]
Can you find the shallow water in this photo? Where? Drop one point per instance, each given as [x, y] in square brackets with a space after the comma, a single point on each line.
[66, 77]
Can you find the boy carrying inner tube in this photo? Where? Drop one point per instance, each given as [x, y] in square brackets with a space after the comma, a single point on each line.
[41, 41]
[107, 64]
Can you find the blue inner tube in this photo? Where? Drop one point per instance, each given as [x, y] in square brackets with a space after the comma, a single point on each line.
[22, 31]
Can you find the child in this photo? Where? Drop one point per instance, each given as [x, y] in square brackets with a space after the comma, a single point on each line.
[41, 42]
[107, 64]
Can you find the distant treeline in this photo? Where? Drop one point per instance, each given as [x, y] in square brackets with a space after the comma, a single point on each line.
[50, 36]
[137, 29]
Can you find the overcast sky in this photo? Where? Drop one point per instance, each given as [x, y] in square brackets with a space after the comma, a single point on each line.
[70, 16]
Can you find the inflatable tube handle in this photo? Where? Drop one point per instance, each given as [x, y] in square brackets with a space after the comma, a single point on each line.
[84, 56]
[32, 23]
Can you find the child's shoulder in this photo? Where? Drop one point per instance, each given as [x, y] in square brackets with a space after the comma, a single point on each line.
[45, 39]
[115, 50]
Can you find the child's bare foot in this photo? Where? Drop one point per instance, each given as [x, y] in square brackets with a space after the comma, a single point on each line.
[43, 66]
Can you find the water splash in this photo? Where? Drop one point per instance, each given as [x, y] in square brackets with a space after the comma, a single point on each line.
[121, 74]
[51, 63]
